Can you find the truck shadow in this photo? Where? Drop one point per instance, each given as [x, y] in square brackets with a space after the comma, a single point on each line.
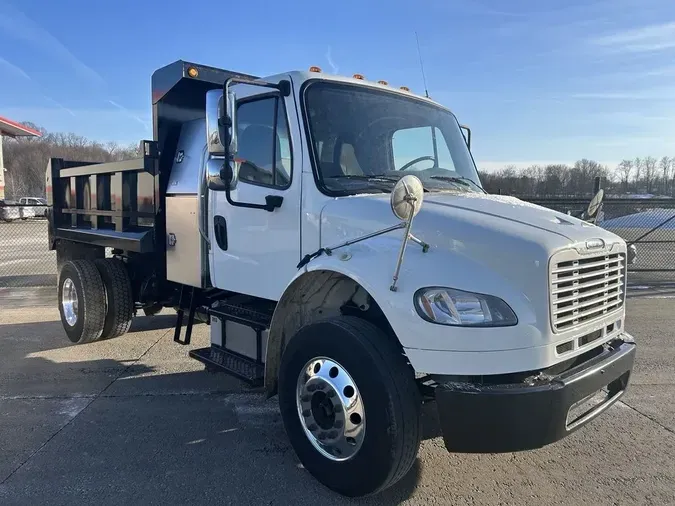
[188, 433]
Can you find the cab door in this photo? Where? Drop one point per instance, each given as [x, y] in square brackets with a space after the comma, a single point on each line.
[255, 251]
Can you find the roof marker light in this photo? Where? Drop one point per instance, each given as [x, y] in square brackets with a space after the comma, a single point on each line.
[315, 69]
[405, 88]
[192, 72]
[359, 77]
[385, 83]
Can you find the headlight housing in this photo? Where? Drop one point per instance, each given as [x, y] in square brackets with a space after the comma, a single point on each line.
[447, 306]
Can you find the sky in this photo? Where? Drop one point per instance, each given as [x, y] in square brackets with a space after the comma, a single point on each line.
[538, 81]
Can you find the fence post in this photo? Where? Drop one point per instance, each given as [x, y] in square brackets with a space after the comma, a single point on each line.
[596, 185]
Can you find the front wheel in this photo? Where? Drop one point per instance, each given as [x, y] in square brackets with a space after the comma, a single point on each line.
[350, 405]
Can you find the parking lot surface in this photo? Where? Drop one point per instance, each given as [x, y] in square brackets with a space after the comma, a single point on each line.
[136, 421]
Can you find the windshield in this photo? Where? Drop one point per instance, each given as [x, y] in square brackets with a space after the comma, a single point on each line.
[364, 140]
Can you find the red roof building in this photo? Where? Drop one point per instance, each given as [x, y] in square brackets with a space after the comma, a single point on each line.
[9, 128]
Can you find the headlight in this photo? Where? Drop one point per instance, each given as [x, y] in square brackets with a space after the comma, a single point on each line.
[448, 306]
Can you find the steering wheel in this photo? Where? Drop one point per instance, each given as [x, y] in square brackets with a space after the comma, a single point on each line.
[417, 160]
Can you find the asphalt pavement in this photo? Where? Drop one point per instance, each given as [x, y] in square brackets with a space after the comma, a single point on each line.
[136, 421]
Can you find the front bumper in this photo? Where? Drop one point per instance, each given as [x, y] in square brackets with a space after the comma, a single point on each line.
[496, 418]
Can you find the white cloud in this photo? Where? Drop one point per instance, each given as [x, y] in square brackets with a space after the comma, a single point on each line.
[660, 93]
[17, 25]
[101, 124]
[135, 117]
[494, 166]
[14, 69]
[649, 38]
[332, 64]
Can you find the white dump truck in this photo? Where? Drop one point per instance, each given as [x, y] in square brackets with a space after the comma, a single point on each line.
[334, 234]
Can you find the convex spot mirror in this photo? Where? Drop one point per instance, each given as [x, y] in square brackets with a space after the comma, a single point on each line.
[407, 196]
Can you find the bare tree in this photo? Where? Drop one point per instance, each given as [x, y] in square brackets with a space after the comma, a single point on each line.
[664, 165]
[26, 157]
[638, 172]
[649, 164]
[624, 169]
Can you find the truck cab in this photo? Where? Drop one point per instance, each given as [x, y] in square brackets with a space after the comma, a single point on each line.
[334, 234]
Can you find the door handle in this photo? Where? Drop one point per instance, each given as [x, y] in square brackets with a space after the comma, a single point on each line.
[220, 231]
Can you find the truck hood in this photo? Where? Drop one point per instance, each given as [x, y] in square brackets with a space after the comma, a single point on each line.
[516, 211]
[461, 216]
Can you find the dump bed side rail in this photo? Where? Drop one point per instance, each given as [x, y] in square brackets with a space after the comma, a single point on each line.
[113, 204]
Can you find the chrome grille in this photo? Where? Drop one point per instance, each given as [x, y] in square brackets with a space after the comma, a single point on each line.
[585, 288]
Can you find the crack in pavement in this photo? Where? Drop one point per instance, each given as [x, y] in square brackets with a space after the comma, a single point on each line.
[92, 399]
[666, 428]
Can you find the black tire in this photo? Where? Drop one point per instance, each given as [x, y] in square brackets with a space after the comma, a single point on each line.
[152, 310]
[90, 311]
[390, 395]
[119, 297]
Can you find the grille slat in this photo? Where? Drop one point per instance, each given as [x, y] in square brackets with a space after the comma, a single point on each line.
[582, 295]
[588, 284]
[585, 288]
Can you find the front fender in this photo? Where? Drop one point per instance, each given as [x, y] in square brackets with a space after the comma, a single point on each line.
[371, 264]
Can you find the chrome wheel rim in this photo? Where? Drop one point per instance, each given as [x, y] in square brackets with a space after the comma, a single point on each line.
[331, 409]
[69, 302]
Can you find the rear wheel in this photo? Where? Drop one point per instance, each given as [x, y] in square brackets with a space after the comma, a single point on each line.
[350, 405]
[81, 301]
[119, 297]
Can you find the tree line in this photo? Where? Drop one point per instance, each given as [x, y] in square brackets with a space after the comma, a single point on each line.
[637, 176]
[26, 158]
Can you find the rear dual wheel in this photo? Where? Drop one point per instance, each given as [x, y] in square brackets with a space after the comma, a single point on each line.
[350, 405]
[95, 299]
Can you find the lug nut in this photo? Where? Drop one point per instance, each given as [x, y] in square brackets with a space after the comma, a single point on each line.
[313, 427]
[322, 436]
[306, 398]
[332, 434]
[338, 424]
[311, 388]
[331, 393]
[306, 413]
[338, 408]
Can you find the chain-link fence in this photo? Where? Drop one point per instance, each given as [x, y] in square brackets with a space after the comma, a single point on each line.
[25, 259]
[648, 223]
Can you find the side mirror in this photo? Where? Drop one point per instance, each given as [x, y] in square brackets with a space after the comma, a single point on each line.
[228, 121]
[221, 139]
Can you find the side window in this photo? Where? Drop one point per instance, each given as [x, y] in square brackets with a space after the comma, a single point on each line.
[418, 144]
[265, 159]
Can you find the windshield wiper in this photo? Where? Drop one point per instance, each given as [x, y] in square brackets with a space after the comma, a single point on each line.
[458, 179]
[365, 177]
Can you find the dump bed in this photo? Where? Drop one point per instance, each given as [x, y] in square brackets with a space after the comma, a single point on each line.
[122, 205]
[112, 204]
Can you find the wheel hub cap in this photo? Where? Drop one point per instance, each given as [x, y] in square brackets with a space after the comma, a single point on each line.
[69, 301]
[331, 409]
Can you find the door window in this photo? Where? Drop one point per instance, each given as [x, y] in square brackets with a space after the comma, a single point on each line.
[264, 151]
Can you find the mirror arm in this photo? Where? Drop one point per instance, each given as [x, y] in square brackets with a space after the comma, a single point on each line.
[468, 135]
[283, 86]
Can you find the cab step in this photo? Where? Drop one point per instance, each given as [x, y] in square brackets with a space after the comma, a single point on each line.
[254, 317]
[244, 368]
